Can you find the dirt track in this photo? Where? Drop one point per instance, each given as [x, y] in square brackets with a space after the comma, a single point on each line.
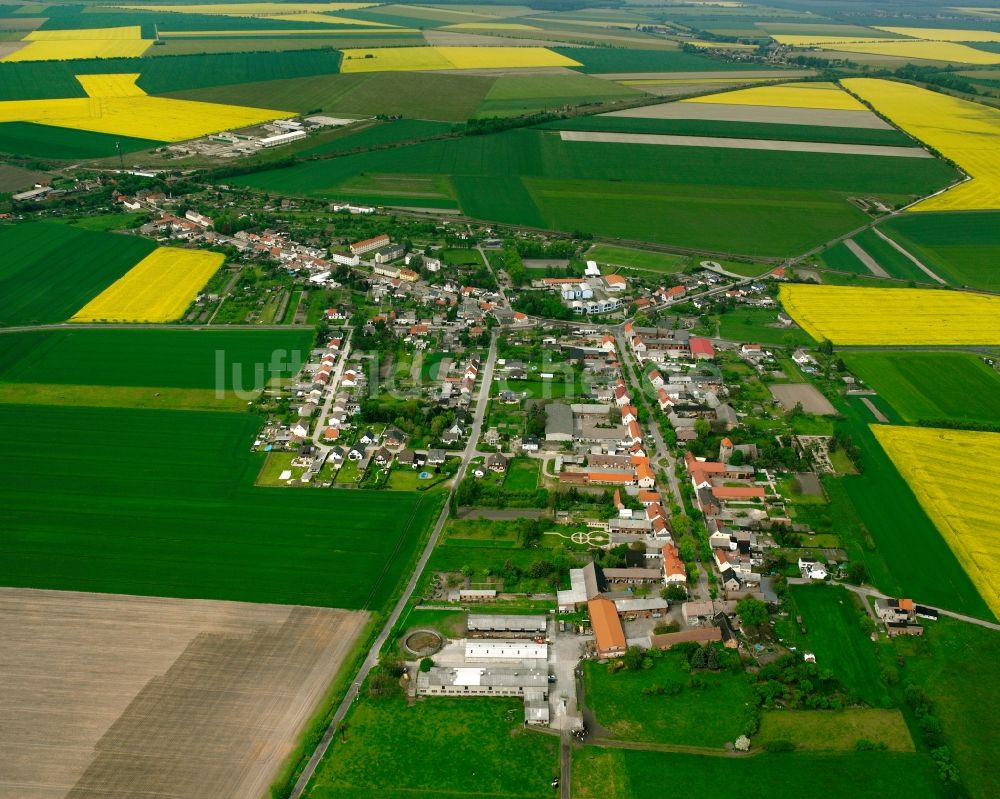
[832, 118]
[110, 696]
[887, 151]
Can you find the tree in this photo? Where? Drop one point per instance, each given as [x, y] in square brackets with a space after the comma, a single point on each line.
[826, 347]
[674, 593]
[856, 573]
[702, 427]
[752, 612]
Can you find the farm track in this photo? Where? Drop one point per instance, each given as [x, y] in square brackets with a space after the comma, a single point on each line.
[371, 659]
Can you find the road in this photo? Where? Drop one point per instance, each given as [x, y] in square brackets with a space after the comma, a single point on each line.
[331, 392]
[371, 659]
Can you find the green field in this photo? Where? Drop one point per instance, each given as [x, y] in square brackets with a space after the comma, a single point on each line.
[835, 730]
[417, 95]
[891, 259]
[636, 259]
[760, 325]
[623, 774]
[830, 615]
[156, 358]
[440, 747]
[512, 95]
[708, 716]
[50, 271]
[399, 130]
[759, 203]
[737, 130]
[931, 386]
[908, 556]
[617, 59]
[522, 475]
[956, 666]
[47, 141]
[960, 247]
[840, 258]
[48, 79]
[162, 503]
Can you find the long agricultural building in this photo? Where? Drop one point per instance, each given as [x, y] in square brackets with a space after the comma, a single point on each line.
[507, 625]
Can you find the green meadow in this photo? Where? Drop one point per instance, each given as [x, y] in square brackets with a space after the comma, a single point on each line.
[163, 503]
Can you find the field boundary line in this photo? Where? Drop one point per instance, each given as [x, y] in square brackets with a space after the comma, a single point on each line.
[859, 252]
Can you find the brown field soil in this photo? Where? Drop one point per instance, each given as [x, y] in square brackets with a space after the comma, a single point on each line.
[111, 696]
[790, 394]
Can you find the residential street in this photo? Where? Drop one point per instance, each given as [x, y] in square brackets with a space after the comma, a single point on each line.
[486, 377]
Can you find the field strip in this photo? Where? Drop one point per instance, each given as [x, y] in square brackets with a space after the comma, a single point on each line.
[735, 74]
[865, 258]
[109, 695]
[903, 251]
[182, 399]
[744, 144]
[832, 118]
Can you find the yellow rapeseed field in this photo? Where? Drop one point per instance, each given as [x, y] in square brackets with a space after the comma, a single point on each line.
[157, 289]
[953, 474]
[125, 32]
[263, 33]
[70, 49]
[399, 59]
[853, 315]
[929, 51]
[826, 96]
[945, 35]
[965, 132]
[116, 105]
[327, 20]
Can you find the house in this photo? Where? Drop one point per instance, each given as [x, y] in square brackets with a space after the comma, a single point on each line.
[337, 454]
[435, 457]
[725, 626]
[608, 633]
[730, 579]
[390, 252]
[300, 428]
[491, 437]
[393, 437]
[496, 462]
[812, 569]
[407, 458]
[895, 610]
[674, 571]
[331, 434]
[382, 457]
[356, 453]
[530, 444]
[368, 437]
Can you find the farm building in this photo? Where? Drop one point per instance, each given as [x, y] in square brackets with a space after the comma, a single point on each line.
[507, 625]
[608, 633]
[505, 650]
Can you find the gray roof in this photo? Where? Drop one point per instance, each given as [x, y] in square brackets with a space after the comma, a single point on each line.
[508, 623]
[559, 419]
[498, 677]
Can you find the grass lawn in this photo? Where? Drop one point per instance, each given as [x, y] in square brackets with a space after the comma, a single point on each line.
[830, 615]
[440, 747]
[908, 556]
[522, 475]
[163, 503]
[623, 774]
[760, 325]
[956, 665]
[710, 716]
[461, 257]
[274, 464]
[645, 260]
[927, 386]
[829, 730]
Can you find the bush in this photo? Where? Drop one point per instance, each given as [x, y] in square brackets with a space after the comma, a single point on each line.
[426, 664]
[776, 747]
